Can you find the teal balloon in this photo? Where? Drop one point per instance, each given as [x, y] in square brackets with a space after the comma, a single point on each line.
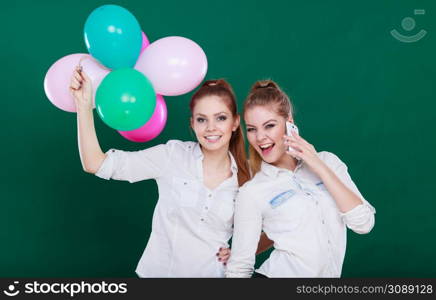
[113, 36]
[125, 99]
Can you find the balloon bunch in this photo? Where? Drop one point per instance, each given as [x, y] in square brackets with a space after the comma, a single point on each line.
[129, 75]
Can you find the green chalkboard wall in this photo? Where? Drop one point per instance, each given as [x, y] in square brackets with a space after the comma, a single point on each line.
[358, 92]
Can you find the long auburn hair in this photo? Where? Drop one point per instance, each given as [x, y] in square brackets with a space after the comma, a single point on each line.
[224, 91]
[266, 93]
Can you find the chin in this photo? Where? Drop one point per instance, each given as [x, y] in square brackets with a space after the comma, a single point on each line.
[272, 159]
[269, 160]
[212, 147]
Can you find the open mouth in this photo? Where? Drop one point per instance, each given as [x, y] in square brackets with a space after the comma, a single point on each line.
[266, 148]
[212, 138]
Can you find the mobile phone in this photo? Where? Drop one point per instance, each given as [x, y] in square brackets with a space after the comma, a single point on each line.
[291, 127]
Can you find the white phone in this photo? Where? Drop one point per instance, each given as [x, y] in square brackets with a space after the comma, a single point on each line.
[291, 127]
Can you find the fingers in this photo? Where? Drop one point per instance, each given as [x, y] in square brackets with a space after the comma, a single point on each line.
[223, 255]
[223, 252]
[82, 74]
[299, 138]
[299, 149]
[75, 84]
[225, 259]
[85, 76]
[287, 138]
[77, 76]
[76, 79]
[296, 154]
[294, 143]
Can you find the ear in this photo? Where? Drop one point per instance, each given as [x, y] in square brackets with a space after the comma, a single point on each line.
[191, 123]
[290, 119]
[236, 123]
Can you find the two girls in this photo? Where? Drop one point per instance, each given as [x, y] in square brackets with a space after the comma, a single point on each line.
[301, 200]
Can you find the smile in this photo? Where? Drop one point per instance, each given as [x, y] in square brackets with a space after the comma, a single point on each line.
[266, 148]
[212, 138]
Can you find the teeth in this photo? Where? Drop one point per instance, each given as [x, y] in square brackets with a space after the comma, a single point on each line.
[265, 146]
[212, 137]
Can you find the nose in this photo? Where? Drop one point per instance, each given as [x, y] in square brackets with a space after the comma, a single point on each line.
[260, 136]
[210, 126]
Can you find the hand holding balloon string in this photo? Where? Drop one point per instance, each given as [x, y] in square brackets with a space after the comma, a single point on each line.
[81, 88]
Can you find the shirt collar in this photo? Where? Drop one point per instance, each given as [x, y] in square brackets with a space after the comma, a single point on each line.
[234, 166]
[198, 154]
[273, 171]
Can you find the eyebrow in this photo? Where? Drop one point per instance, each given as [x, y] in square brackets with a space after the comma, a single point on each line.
[263, 123]
[222, 112]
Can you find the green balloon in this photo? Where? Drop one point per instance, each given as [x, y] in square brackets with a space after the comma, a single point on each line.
[125, 99]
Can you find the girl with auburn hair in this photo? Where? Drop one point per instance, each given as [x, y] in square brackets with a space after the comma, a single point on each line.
[197, 181]
[302, 199]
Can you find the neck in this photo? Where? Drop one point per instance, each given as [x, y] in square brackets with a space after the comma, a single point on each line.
[217, 159]
[286, 162]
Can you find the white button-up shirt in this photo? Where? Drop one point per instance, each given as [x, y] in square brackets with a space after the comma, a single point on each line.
[190, 222]
[296, 211]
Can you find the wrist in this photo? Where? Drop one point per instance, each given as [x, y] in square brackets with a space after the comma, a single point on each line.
[322, 170]
[83, 109]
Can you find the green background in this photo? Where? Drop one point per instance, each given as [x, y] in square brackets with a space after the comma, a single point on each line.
[357, 91]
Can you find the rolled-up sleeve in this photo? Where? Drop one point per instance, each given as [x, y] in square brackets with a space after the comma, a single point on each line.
[246, 234]
[135, 166]
[361, 218]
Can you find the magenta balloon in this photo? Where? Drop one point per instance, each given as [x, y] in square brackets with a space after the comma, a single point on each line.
[153, 127]
[145, 42]
[175, 65]
[58, 78]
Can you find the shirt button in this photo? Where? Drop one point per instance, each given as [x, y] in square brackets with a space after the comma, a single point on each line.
[203, 220]
[113, 150]
[323, 222]
[185, 183]
[210, 195]
[328, 241]
[307, 193]
[206, 208]
[316, 202]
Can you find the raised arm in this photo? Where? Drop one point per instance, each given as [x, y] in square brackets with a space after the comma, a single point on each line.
[90, 152]
[356, 212]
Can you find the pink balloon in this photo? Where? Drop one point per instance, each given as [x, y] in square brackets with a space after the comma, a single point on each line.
[175, 65]
[145, 42]
[153, 127]
[58, 78]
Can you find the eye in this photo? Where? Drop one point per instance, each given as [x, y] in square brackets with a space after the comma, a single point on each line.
[200, 120]
[268, 126]
[222, 118]
[250, 129]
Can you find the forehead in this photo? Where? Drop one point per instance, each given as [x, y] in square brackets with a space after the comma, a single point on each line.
[210, 105]
[260, 113]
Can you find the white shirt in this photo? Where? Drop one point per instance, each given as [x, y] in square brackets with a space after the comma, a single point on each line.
[296, 211]
[190, 222]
